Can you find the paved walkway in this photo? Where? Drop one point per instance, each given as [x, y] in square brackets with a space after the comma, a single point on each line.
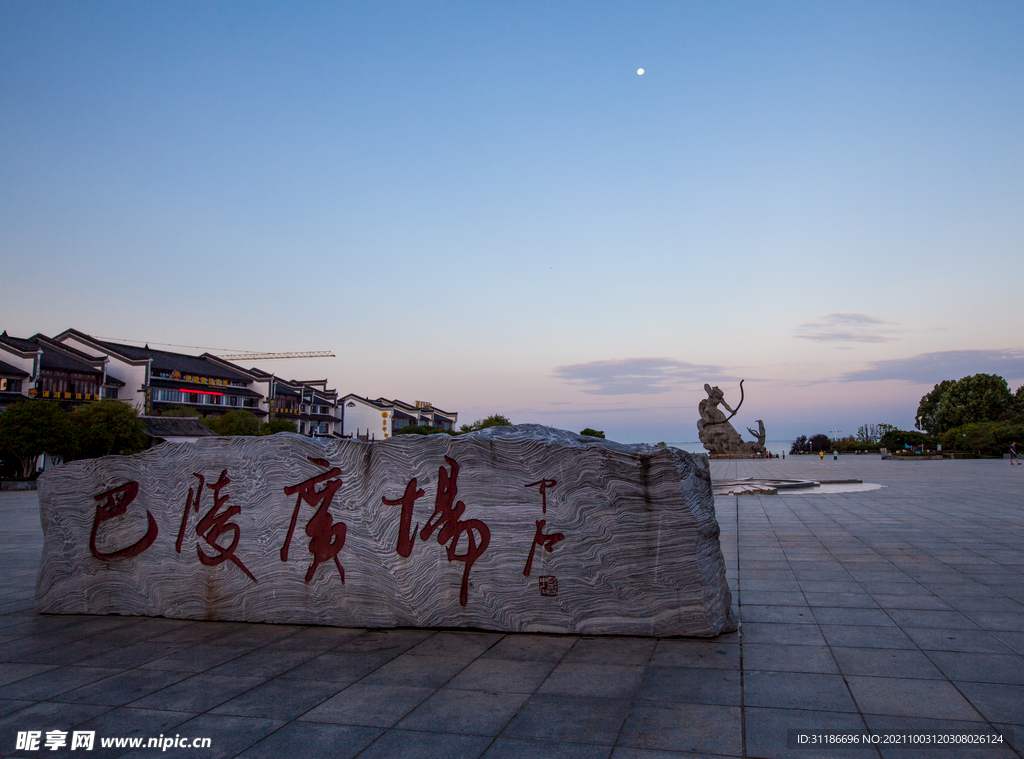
[899, 609]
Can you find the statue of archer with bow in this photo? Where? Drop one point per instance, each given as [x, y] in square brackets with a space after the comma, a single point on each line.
[714, 430]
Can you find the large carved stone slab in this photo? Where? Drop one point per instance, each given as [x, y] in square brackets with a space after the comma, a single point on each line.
[518, 529]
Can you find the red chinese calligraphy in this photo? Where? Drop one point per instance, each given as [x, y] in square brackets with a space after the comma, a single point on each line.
[114, 503]
[446, 520]
[213, 525]
[326, 538]
[546, 542]
[543, 485]
[406, 532]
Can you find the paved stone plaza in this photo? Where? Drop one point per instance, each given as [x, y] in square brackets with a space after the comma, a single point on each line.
[899, 609]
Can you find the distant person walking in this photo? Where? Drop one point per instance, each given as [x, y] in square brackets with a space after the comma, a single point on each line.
[1013, 454]
[822, 454]
[835, 455]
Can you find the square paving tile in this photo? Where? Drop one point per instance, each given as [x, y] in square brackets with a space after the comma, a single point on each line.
[982, 668]
[465, 712]
[392, 642]
[337, 667]
[123, 687]
[611, 650]
[304, 739]
[531, 648]
[411, 744]
[198, 693]
[516, 748]
[54, 682]
[936, 699]
[126, 722]
[228, 736]
[767, 732]
[279, 699]
[797, 635]
[691, 685]
[861, 636]
[783, 658]
[939, 639]
[418, 671]
[197, 658]
[793, 615]
[997, 702]
[456, 645]
[502, 676]
[369, 705]
[696, 653]
[601, 680]
[569, 719]
[683, 728]
[797, 690]
[885, 662]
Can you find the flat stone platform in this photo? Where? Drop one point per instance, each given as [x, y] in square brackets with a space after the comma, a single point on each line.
[896, 609]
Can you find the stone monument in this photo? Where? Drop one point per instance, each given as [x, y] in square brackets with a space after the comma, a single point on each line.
[715, 432]
[521, 528]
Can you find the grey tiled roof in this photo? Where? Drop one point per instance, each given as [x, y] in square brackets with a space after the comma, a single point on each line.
[170, 426]
[11, 371]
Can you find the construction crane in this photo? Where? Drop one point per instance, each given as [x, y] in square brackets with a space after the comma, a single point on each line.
[262, 356]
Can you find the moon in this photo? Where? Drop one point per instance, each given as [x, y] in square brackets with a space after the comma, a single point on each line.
[639, 72]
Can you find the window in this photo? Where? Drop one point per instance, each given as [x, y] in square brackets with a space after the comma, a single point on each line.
[251, 403]
[230, 400]
[302, 428]
[10, 385]
[238, 383]
[110, 392]
[161, 374]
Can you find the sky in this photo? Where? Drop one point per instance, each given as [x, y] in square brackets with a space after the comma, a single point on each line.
[483, 205]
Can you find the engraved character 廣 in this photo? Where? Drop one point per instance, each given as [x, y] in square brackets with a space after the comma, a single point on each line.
[326, 538]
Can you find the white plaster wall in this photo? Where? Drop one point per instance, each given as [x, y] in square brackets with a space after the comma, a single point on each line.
[366, 417]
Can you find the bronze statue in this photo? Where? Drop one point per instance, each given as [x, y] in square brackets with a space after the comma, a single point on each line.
[714, 430]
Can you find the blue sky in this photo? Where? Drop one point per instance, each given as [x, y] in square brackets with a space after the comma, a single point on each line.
[485, 206]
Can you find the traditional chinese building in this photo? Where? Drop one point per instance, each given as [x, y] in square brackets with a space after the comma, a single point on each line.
[309, 403]
[381, 418]
[38, 367]
[158, 380]
[75, 367]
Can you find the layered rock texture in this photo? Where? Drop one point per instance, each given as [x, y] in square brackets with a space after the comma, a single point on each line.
[523, 528]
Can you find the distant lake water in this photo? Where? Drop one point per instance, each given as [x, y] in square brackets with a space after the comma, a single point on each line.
[774, 446]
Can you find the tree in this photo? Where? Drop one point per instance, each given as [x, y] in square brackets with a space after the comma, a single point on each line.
[590, 432]
[28, 429]
[897, 440]
[277, 425]
[800, 445]
[494, 420]
[820, 442]
[978, 398]
[929, 405]
[421, 429]
[104, 428]
[238, 422]
[182, 412]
